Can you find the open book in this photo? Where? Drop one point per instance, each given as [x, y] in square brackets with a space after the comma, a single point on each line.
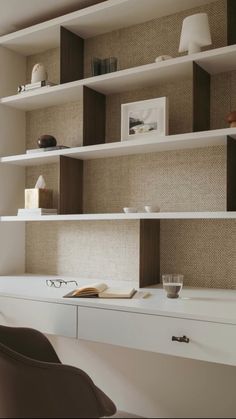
[101, 291]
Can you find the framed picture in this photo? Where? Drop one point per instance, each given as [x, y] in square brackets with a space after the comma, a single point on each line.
[144, 118]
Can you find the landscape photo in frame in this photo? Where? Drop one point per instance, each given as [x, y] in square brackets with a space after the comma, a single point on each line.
[143, 121]
[146, 118]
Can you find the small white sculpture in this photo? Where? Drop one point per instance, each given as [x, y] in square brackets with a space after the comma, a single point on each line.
[38, 73]
[163, 58]
[40, 184]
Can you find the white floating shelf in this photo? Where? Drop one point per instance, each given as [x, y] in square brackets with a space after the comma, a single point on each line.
[127, 217]
[214, 61]
[124, 148]
[45, 97]
[105, 17]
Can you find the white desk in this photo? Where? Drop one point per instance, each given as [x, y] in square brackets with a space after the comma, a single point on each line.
[206, 317]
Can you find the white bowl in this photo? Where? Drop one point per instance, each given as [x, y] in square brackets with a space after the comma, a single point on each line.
[129, 210]
[152, 208]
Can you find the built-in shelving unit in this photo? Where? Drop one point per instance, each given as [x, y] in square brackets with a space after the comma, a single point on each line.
[214, 62]
[68, 33]
[105, 17]
[124, 148]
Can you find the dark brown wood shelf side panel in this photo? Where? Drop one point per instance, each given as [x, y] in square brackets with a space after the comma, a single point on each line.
[231, 22]
[70, 186]
[94, 117]
[149, 253]
[71, 57]
[201, 99]
[231, 174]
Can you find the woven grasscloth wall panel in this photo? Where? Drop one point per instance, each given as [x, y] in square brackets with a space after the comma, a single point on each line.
[192, 180]
[92, 250]
[204, 251]
[142, 43]
[64, 122]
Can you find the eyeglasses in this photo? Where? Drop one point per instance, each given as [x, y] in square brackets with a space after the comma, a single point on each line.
[58, 283]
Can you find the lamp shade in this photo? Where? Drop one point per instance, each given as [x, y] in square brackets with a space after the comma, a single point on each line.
[195, 33]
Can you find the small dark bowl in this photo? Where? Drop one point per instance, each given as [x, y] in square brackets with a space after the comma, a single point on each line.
[47, 141]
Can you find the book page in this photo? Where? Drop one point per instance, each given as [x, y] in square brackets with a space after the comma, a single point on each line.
[117, 293]
[91, 289]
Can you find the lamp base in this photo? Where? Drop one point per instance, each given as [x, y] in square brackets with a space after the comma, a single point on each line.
[193, 48]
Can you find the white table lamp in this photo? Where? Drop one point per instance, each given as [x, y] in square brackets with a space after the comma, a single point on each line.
[195, 33]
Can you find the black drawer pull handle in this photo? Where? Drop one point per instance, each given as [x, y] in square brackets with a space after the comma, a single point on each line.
[182, 339]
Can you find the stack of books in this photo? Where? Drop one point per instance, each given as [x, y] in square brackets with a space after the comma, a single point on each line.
[32, 86]
[36, 212]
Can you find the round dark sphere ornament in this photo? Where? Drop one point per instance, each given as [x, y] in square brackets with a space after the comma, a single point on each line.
[47, 141]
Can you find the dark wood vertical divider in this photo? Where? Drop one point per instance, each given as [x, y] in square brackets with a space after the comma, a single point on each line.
[201, 99]
[231, 22]
[149, 253]
[231, 174]
[71, 57]
[70, 186]
[94, 117]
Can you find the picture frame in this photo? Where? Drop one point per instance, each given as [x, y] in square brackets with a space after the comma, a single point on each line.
[146, 118]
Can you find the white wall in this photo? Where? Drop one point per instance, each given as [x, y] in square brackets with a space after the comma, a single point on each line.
[152, 385]
[12, 179]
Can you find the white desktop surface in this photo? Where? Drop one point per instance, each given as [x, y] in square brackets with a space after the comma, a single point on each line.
[210, 305]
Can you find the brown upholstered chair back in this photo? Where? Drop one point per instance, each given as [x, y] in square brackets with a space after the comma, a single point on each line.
[34, 384]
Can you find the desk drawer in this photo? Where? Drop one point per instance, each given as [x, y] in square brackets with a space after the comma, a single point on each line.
[213, 342]
[50, 318]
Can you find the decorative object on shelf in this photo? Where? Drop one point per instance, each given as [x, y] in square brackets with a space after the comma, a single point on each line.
[38, 73]
[103, 66]
[110, 64]
[34, 86]
[39, 196]
[96, 66]
[163, 58]
[144, 118]
[40, 184]
[36, 212]
[195, 33]
[130, 210]
[152, 208]
[41, 150]
[46, 141]
[173, 284]
[231, 118]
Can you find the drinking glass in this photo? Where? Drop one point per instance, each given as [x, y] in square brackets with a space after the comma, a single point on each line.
[172, 284]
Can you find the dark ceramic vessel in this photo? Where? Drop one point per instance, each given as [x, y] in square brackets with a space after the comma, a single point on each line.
[47, 141]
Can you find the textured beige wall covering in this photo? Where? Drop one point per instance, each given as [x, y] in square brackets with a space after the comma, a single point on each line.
[142, 43]
[91, 250]
[64, 122]
[192, 180]
[204, 251]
